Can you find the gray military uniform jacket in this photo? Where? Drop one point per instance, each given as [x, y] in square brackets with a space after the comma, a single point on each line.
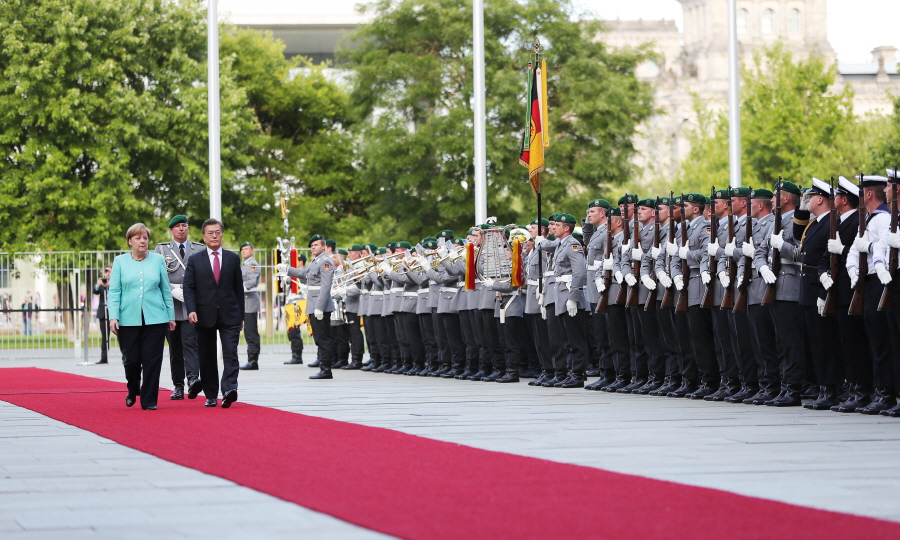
[422, 292]
[571, 274]
[722, 238]
[533, 267]
[762, 229]
[596, 249]
[405, 299]
[176, 266]
[550, 273]
[447, 289]
[375, 304]
[317, 275]
[614, 286]
[457, 271]
[509, 300]
[787, 285]
[250, 272]
[698, 239]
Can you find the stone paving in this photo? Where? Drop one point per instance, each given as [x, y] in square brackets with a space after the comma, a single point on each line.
[59, 480]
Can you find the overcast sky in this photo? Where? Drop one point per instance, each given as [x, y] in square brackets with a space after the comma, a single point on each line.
[855, 27]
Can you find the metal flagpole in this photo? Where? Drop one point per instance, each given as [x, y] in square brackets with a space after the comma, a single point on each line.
[480, 158]
[215, 172]
[734, 102]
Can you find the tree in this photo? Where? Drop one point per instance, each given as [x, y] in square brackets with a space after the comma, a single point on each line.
[791, 126]
[412, 85]
[103, 120]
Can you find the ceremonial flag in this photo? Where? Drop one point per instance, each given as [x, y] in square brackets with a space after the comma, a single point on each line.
[536, 137]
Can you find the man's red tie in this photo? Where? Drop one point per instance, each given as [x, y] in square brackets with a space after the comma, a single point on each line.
[216, 267]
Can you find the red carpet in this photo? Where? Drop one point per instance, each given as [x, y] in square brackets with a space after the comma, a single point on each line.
[413, 487]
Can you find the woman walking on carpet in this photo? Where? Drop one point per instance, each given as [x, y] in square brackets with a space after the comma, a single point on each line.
[140, 310]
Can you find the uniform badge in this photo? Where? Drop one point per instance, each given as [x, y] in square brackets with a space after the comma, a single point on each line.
[253, 269]
[574, 247]
[327, 266]
[168, 258]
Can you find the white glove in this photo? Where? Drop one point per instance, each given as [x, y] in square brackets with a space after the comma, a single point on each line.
[648, 282]
[637, 253]
[883, 274]
[747, 249]
[281, 268]
[724, 279]
[862, 243]
[705, 277]
[854, 276]
[600, 283]
[337, 293]
[820, 306]
[683, 252]
[826, 281]
[664, 280]
[679, 283]
[385, 266]
[539, 296]
[730, 247]
[626, 247]
[319, 314]
[767, 274]
[619, 277]
[631, 280]
[488, 283]
[178, 293]
[777, 240]
[893, 240]
[836, 247]
[740, 279]
[608, 263]
[654, 252]
[671, 249]
[713, 248]
[804, 202]
[537, 240]
[443, 252]
[543, 313]
[571, 307]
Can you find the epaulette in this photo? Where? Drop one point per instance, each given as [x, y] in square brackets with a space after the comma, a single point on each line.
[801, 221]
[161, 244]
[197, 244]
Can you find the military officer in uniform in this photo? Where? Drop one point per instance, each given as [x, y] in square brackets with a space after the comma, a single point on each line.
[183, 358]
[571, 276]
[250, 271]
[595, 230]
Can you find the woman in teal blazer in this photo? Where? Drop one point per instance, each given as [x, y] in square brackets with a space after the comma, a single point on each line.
[140, 311]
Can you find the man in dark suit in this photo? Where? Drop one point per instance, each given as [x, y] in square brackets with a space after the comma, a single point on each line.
[214, 297]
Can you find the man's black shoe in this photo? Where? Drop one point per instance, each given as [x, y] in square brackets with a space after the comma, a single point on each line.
[314, 364]
[178, 393]
[252, 365]
[194, 388]
[129, 400]
[210, 403]
[295, 360]
[323, 374]
[229, 398]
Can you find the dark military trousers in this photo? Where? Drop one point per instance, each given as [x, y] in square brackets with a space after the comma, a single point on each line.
[825, 344]
[355, 336]
[878, 329]
[540, 337]
[251, 335]
[390, 351]
[768, 365]
[791, 341]
[515, 336]
[703, 340]
[341, 334]
[640, 359]
[323, 334]
[183, 356]
[429, 338]
[414, 340]
[559, 350]
[725, 352]
[492, 358]
[743, 341]
[669, 336]
[687, 361]
[402, 328]
[575, 329]
[295, 336]
[617, 328]
[598, 339]
[456, 345]
[371, 340]
[855, 349]
[470, 331]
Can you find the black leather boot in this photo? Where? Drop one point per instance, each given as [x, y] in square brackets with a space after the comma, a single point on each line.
[511, 376]
[477, 376]
[623, 379]
[672, 383]
[575, 381]
[893, 412]
[884, 400]
[295, 360]
[324, 373]
[636, 382]
[314, 364]
[703, 391]
[860, 396]
[747, 391]
[688, 386]
[729, 388]
[791, 396]
[828, 398]
[496, 374]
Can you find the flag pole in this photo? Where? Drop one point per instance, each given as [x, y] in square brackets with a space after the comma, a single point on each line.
[537, 63]
[212, 88]
[478, 105]
[734, 100]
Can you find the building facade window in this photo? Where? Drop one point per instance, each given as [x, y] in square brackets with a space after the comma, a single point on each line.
[768, 21]
[794, 21]
[742, 21]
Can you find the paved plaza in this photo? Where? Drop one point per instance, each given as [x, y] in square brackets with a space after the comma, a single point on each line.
[57, 481]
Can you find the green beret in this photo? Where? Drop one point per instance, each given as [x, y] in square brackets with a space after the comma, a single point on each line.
[648, 203]
[245, 244]
[357, 247]
[544, 222]
[554, 217]
[695, 198]
[566, 218]
[372, 247]
[722, 194]
[402, 245]
[429, 239]
[391, 245]
[760, 194]
[315, 238]
[740, 192]
[458, 242]
[301, 257]
[430, 244]
[676, 201]
[790, 187]
[628, 199]
[578, 235]
[599, 203]
[446, 233]
[342, 251]
[330, 243]
[616, 212]
[176, 220]
[381, 251]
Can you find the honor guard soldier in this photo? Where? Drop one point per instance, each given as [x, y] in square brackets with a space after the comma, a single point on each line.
[183, 358]
[595, 231]
[571, 277]
[318, 275]
[250, 272]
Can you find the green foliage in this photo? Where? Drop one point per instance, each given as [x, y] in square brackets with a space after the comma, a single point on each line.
[413, 86]
[791, 126]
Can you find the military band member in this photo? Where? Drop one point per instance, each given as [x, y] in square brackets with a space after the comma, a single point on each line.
[250, 271]
[318, 276]
[183, 358]
[354, 306]
[510, 311]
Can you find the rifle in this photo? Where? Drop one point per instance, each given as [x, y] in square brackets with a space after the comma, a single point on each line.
[771, 290]
[626, 239]
[668, 299]
[859, 293]
[728, 297]
[603, 303]
[707, 300]
[682, 305]
[636, 237]
[740, 305]
[650, 304]
[835, 261]
[887, 297]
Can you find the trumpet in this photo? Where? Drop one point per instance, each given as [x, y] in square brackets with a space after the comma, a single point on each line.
[415, 266]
